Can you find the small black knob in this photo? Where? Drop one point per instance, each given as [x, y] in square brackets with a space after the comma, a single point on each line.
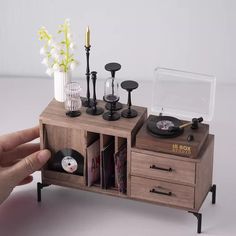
[190, 138]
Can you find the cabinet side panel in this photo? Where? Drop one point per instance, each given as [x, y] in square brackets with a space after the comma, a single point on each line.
[137, 127]
[204, 171]
[130, 143]
[41, 135]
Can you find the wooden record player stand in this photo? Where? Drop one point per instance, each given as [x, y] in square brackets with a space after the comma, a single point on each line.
[153, 177]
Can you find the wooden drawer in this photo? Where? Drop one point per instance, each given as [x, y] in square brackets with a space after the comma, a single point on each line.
[158, 167]
[162, 192]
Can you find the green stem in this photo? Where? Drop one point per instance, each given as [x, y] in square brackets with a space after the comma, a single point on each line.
[67, 49]
[48, 37]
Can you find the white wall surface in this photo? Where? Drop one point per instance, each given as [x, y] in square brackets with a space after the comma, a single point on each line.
[194, 35]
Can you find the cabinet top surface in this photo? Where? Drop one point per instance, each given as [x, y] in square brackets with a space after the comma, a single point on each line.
[54, 114]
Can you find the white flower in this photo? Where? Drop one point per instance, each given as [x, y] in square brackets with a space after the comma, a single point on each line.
[67, 21]
[51, 42]
[72, 46]
[70, 36]
[54, 52]
[45, 61]
[73, 64]
[43, 51]
[56, 57]
[49, 71]
[60, 59]
[57, 46]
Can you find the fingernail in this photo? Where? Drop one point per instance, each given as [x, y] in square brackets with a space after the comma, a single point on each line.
[43, 156]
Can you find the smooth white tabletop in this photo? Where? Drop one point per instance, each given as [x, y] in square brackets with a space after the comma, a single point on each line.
[65, 211]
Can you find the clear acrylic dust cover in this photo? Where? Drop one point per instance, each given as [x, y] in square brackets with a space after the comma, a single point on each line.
[183, 94]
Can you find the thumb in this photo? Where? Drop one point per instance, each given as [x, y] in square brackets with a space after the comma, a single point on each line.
[28, 165]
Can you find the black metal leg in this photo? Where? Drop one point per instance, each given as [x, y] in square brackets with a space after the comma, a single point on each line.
[213, 190]
[40, 186]
[199, 221]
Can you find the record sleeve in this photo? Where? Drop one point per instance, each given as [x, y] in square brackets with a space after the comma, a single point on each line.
[108, 170]
[93, 163]
[120, 159]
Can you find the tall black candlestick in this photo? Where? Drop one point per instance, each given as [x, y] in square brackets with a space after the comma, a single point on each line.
[87, 103]
[94, 110]
[94, 78]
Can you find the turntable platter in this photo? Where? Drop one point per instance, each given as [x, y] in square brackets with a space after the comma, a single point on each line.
[160, 126]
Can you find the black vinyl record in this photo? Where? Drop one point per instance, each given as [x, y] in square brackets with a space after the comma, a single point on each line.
[69, 161]
[160, 126]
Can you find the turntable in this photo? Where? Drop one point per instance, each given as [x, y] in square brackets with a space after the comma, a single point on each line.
[170, 135]
[178, 94]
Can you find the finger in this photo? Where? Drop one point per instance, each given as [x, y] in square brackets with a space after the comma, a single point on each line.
[26, 180]
[10, 141]
[11, 163]
[27, 166]
[8, 158]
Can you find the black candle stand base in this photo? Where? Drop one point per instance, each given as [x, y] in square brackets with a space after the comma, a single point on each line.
[129, 113]
[111, 117]
[95, 112]
[118, 106]
[85, 102]
[73, 113]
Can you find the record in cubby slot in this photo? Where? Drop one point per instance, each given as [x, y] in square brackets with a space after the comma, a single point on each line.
[160, 126]
[69, 161]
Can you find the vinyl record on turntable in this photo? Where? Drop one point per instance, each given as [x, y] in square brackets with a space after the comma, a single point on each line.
[68, 160]
[160, 126]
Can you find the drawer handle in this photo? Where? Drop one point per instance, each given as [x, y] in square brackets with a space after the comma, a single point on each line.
[160, 192]
[161, 168]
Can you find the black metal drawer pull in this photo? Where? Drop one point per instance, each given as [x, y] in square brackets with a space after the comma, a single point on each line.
[159, 192]
[161, 168]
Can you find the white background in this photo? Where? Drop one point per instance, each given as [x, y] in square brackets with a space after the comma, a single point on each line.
[194, 35]
[191, 35]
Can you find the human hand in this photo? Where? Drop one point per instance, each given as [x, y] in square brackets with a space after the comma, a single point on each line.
[19, 159]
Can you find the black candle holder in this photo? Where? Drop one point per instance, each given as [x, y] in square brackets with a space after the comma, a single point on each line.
[111, 115]
[94, 110]
[129, 86]
[73, 113]
[113, 67]
[87, 101]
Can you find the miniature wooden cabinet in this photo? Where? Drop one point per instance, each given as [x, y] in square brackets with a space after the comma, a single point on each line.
[58, 131]
[153, 177]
